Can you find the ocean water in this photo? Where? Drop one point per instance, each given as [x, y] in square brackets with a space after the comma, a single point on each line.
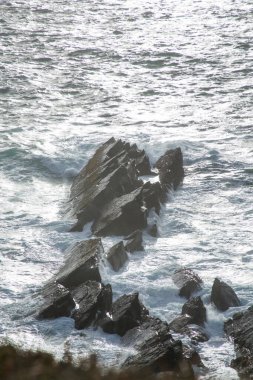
[159, 73]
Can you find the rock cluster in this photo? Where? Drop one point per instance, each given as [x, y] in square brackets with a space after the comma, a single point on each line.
[109, 193]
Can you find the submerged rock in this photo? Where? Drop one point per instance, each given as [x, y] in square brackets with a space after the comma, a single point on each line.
[93, 301]
[240, 328]
[153, 230]
[58, 302]
[223, 296]
[187, 281]
[127, 312]
[134, 242]
[117, 256]
[81, 265]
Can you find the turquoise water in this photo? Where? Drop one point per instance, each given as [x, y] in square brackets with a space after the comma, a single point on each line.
[161, 74]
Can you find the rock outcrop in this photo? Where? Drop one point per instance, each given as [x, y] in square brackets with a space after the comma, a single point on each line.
[223, 296]
[127, 312]
[187, 281]
[240, 329]
[117, 256]
[157, 350]
[195, 308]
[109, 193]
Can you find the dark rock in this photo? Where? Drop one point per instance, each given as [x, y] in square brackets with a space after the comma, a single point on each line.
[57, 302]
[111, 172]
[117, 256]
[153, 231]
[184, 325]
[152, 195]
[127, 312]
[170, 167]
[157, 350]
[195, 308]
[240, 328]
[134, 242]
[122, 215]
[223, 296]
[81, 265]
[93, 301]
[187, 281]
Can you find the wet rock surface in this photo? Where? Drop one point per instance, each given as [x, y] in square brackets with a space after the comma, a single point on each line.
[117, 256]
[81, 265]
[58, 302]
[240, 329]
[93, 301]
[109, 193]
[134, 242]
[195, 308]
[223, 296]
[127, 312]
[187, 281]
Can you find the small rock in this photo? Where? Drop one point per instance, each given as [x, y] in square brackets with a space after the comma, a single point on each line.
[223, 296]
[195, 308]
[127, 312]
[153, 231]
[187, 281]
[117, 256]
[93, 302]
[134, 242]
[170, 167]
[58, 302]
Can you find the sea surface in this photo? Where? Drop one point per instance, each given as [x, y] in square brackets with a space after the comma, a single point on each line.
[159, 73]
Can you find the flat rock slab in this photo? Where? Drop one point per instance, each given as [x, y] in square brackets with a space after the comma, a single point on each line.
[240, 328]
[127, 312]
[223, 296]
[58, 302]
[81, 265]
[117, 256]
[187, 281]
[93, 301]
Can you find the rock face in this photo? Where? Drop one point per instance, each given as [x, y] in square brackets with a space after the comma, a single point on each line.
[240, 328]
[117, 256]
[134, 242]
[223, 296]
[58, 302]
[157, 350]
[187, 281]
[170, 167]
[81, 265]
[109, 193]
[93, 301]
[196, 310]
[127, 312]
[191, 321]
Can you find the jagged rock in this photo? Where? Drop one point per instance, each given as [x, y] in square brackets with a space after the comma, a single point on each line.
[152, 195]
[127, 312]
[81, 265]
[94, 300]
[153, 231]
[111, 172]
[58, 302]
[122, 215]
[195, 308]
[187, 281]
[117, 256]
[157, 350]
[134, 242]
[223, 296]
[170, 167]
[184, 324]
[240, 328]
